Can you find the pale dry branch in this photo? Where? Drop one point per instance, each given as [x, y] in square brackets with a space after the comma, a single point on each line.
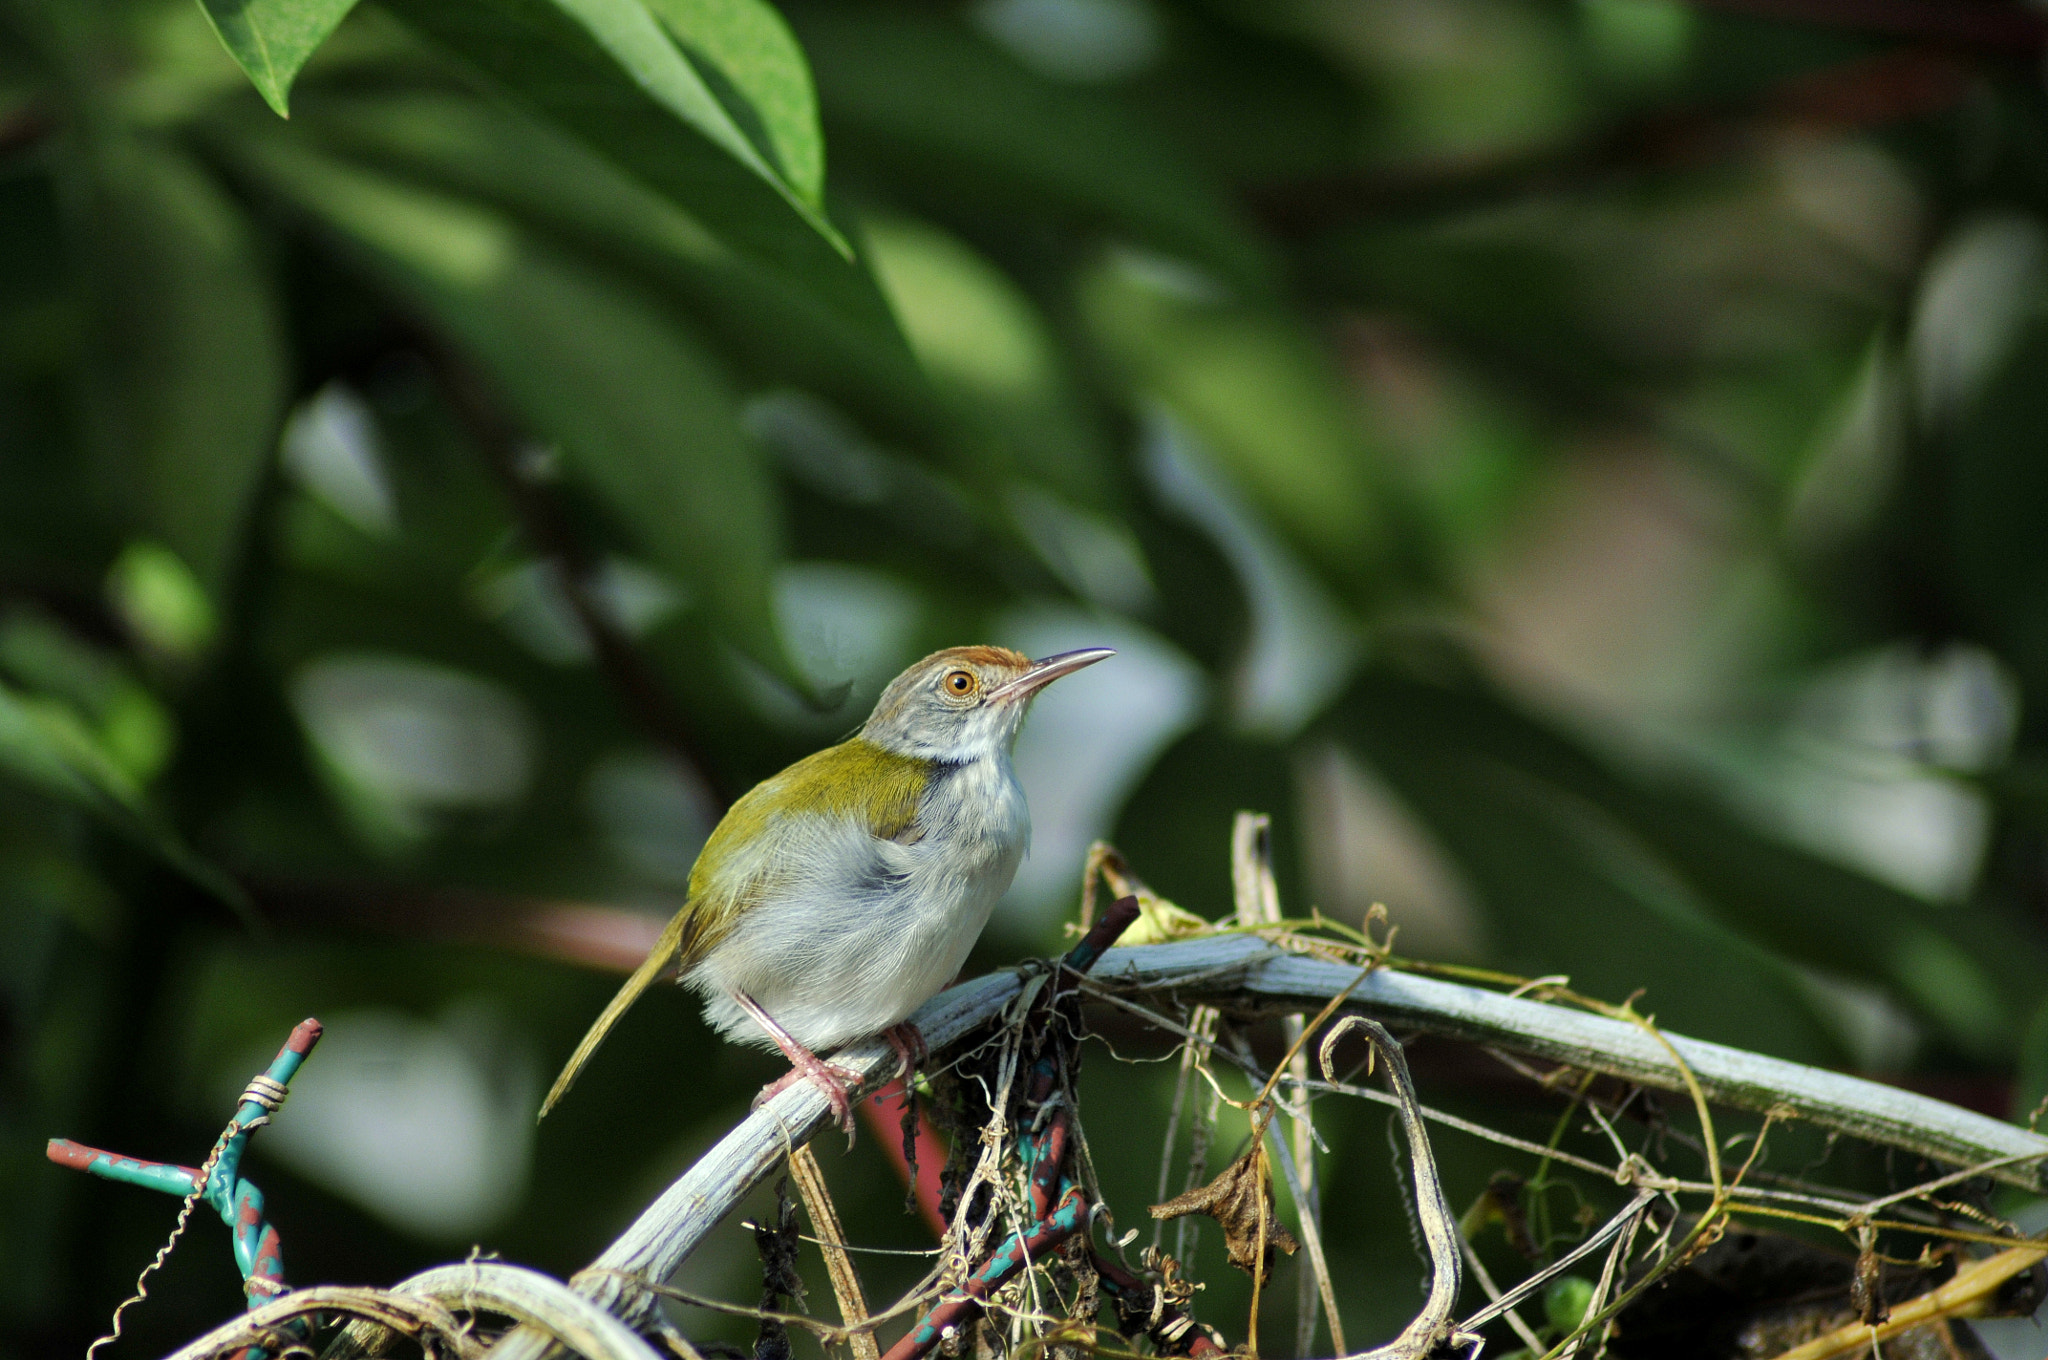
[534, 1300]
[417, 1317]
[1246, 973]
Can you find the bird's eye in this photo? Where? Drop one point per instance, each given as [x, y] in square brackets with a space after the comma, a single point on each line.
[961, 683]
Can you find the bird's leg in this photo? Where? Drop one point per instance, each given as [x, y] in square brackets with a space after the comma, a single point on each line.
[909, 1045]
[835, 1082]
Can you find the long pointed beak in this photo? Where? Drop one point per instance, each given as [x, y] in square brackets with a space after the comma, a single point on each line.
[1043, 673]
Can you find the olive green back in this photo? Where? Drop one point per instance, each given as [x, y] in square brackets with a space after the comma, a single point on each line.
[855, 779]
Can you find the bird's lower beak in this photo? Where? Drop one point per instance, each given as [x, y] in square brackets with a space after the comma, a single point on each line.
[1043, 673]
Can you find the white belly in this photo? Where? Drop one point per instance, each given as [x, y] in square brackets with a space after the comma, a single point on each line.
[873, 929]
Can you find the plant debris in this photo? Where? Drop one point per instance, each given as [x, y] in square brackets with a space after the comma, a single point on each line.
[1239, 1199]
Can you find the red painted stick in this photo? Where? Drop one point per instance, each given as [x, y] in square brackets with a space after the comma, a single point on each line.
[884, 1114]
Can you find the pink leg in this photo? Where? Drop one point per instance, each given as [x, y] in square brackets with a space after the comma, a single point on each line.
[910, 1047]
[836, 1083]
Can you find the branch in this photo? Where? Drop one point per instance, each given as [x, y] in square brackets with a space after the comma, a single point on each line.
[1247, 973]
[1432, 1326]
[534, 1300]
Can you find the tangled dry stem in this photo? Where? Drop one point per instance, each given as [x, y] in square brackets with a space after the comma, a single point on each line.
[1332, 981]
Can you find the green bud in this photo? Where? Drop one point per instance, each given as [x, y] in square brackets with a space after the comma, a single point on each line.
[1566, 1302]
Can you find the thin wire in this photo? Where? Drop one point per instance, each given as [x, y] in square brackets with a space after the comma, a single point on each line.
[163, 1253]
[872, 1251]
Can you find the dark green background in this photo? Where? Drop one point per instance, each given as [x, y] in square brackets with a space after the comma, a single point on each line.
[1634, 409]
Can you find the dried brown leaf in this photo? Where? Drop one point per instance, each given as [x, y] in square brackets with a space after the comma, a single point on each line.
[1236, 1200]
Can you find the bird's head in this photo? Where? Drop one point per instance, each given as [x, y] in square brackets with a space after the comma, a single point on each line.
[965, 702]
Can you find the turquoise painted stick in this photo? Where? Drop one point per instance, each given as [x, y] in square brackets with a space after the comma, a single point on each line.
[258, 1252]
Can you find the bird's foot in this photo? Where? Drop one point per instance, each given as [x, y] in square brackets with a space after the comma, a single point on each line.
[836, 1083]
[910, 1047]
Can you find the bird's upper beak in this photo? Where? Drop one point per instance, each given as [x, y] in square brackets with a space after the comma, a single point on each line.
[1043, 673]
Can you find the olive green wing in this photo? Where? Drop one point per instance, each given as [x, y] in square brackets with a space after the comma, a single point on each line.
[855, 779]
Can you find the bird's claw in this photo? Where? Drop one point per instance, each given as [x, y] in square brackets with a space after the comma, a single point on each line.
[909, 1045]
[834, 1082]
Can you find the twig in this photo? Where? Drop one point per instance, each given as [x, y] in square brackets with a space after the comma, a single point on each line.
[1505, 1308]
[533, 1300]
[1061, 1206]
[1251, 974]
[1614, 1227]
[1629, 1223]
[1258, 904]
[1968, 1288]
[827, 1333]
[1247, 972]
[853, 1305]
[1432, 1326]
[409, 1314]
[1630, 1170]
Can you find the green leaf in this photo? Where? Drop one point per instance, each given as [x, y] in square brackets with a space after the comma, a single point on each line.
[1265, 399]
[943, 107]
[271, 39]
[609, 71]
[191, 365]
[643, 416]
[559, 184]
[1507, 794]
[47, 746]
[746, 43]
[993, 426]
[993, 356]
[1566, 886]
[163, 605]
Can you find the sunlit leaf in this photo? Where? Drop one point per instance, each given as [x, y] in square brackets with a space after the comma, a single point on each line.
[120, 717]
[160, 600]
[609, 71]
[746, 44]
[271, 39]
[989, 350]
[45, 745]
[1264, 398]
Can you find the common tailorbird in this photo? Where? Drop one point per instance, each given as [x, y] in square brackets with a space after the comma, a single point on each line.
[835, 898]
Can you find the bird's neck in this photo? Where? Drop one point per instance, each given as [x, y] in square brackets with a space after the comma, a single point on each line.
[977, 801]
[954, 749]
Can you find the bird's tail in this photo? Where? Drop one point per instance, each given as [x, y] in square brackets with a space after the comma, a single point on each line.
[664, 953]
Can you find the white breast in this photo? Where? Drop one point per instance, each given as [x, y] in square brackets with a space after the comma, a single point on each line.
[870, 929]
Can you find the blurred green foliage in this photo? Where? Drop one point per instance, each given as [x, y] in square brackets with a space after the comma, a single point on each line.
[1578, 465]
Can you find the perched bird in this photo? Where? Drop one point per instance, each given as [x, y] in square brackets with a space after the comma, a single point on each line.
[837, 897]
